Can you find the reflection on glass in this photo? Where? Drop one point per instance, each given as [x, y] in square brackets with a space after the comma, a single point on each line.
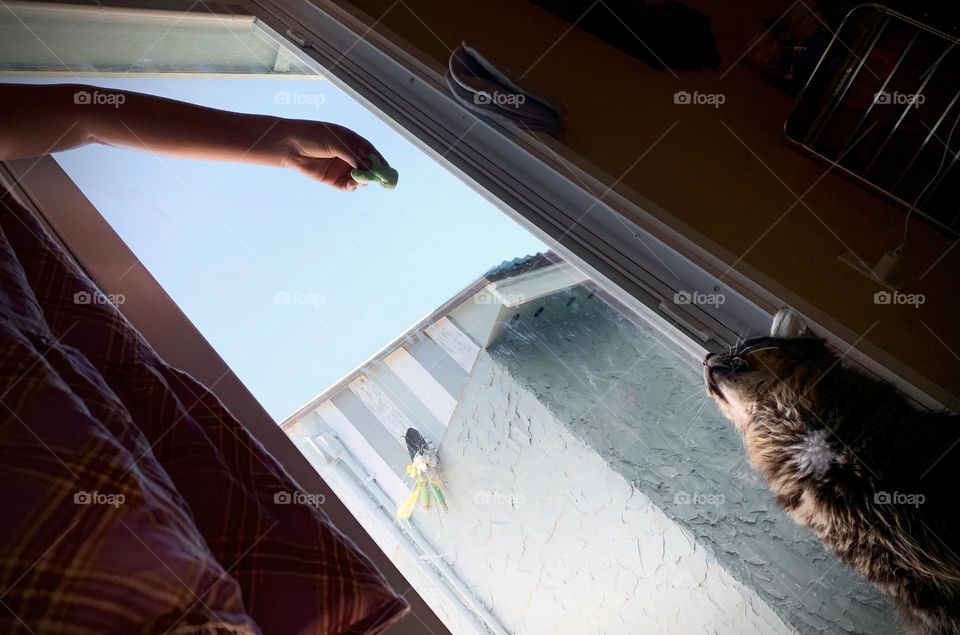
[591, 485]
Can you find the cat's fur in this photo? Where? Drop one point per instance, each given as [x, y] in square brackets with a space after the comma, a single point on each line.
[850, 458]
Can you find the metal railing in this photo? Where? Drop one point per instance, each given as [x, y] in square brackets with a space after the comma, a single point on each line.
[882, 106]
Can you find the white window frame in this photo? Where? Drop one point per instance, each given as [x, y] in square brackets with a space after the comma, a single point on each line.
[614, 234]
[622, 240]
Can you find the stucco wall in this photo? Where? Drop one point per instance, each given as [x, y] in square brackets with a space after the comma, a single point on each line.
[593, 487]
[644, 411]
[553, 540]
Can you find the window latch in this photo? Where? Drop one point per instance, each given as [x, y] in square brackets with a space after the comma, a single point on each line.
[299, 39]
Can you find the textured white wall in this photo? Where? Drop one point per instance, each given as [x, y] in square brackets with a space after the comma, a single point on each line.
[641, 407]
[553, 540]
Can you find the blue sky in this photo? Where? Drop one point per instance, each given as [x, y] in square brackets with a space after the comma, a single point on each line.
[231, 243]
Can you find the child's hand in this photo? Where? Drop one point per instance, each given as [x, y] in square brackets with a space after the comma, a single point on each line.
[328, 152]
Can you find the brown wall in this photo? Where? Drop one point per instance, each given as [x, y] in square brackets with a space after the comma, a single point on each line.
[737, 193]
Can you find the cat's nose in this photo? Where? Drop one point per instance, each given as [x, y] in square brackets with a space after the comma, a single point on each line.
[712, 360]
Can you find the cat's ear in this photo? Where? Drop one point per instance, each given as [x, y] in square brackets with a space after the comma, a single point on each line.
[787, 323]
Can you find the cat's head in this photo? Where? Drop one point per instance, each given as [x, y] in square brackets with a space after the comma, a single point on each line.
[764, 376]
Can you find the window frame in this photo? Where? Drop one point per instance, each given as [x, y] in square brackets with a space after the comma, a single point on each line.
[561, 197]
[621, 241]
[631, 246]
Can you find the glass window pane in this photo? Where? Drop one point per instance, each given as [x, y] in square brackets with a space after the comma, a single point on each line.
[590, 484]
[70, 40]
[293, 283]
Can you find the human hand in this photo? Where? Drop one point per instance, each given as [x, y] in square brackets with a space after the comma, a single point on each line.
[40, 119]
[327, 152]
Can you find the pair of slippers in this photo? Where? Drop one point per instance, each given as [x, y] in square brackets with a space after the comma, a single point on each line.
[481, 87]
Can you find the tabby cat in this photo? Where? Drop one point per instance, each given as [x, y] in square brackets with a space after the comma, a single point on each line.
[849, 457]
